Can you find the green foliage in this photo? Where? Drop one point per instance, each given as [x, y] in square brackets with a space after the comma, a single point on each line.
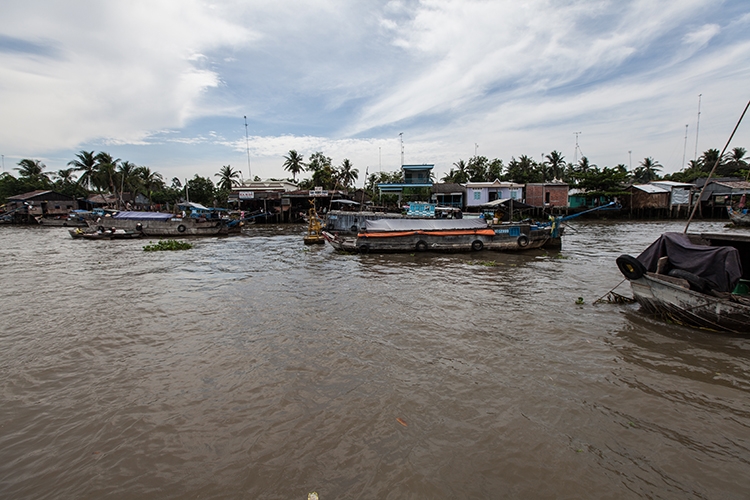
[201, 190]
[163, 245]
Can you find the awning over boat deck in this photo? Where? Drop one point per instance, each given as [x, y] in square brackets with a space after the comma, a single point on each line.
[143, 216]
[379, 225]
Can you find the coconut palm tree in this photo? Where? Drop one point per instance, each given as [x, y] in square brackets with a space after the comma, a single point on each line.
[106, 176]
[462, 172]
[149, 179]
[227, 178]
[294, 163]
[734, 162]
[647, 171]
[346, 174]
[556, 164]
[33, 171]
[65, 176]
[85, 162]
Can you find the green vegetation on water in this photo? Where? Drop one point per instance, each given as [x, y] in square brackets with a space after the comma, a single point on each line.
[167, 245]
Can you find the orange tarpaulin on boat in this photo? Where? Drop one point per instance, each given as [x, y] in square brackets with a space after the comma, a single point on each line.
[395, 234]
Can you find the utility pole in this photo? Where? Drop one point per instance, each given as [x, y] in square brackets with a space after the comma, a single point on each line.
[697, 127]
[401, 136]
[476, 146]
[630, 160]
[684, 148]
[247, 143]
[575, 152]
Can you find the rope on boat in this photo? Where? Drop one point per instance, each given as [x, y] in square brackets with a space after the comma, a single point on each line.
[615, 298]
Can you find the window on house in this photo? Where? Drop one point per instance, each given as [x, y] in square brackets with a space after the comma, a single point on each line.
[546, 197]
[477, 195]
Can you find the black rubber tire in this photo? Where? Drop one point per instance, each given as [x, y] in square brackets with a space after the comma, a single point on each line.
[523, 241]
[354, 229]
[181, 228]
[697, 284]
[630, 267]
[139, 227]
[65, 224]
[364, 248]
[477, 245]
[100, 229]
[421, 246]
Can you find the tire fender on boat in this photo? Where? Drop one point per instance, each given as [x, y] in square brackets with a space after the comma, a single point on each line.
[364, 248]
[139, 227]
[181, 228]
[421, 246]
[354, 228]
[523, 240]
[100, 228]
[630, 267]
[477, 245]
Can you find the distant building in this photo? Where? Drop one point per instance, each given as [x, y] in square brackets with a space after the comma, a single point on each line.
[646, 196]
[480, 193]
[547, 194]
[415, 177]
[40, 203]
[449, 195]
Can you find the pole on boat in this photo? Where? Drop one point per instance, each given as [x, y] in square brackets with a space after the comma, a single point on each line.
[716, 164]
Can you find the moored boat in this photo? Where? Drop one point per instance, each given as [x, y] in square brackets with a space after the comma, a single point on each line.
[698, 280]
[162, 224]
[440, 235]
[739, 217]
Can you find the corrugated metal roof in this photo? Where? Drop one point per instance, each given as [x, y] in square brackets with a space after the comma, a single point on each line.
[650, 188]
[734, 184]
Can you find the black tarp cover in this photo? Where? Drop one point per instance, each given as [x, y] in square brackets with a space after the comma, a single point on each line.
[719, 265]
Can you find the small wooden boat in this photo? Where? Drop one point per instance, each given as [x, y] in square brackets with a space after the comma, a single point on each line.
[107, 234]
[694, 279]
[740, 217]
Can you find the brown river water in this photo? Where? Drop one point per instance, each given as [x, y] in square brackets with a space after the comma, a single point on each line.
[255, 367]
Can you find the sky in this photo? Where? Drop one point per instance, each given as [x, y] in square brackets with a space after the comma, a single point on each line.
[186, 87]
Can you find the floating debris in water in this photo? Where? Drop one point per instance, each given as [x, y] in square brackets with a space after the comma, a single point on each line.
[579, 301]
[402, 422]
[312, 496]
[615, 298]
[167, 245]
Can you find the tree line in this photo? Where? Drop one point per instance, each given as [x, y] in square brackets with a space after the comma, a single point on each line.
[100, 173]
[91, 173]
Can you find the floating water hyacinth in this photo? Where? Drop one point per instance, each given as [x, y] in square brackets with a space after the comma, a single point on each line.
[167, 245]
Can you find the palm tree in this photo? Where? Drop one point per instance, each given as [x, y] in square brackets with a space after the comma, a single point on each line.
[734, 162]
[106, 173]
[647, 171]
[346, 174]
[227, 178]
[149, 179]
[556, 163]
[462, 172]
[33, 170]
[294, 163]
[709, 158]
[65, 176]
[86, 162]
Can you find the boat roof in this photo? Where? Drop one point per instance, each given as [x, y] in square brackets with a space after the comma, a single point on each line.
[142, 216]
[383, 225]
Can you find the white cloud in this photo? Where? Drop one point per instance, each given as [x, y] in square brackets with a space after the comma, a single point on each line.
[119, 69]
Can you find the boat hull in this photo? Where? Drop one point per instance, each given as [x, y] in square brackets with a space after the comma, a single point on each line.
[170, 227]
[673, 300]
[436, 241]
